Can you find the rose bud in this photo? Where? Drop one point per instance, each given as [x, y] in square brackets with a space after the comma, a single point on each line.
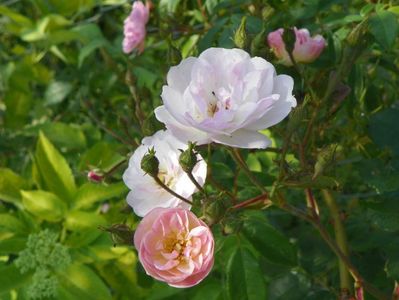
[306, 48]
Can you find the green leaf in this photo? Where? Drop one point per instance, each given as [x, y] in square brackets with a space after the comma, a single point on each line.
[102, 156]
[56, 92]
[244, 276]
[270, 243]
[80, 282]
[11, 278]
[379, 123]
[44, 205]
[12, 245]
[10, 184]
[90, 193]
[9, 223]
[78, 220]
[54, 169]
[320, 182]
[384, 27]
[65, 136]
[90, 48]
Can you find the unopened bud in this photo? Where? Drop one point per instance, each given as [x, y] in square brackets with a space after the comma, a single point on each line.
[323, 159]
[258, 44]
[150, 163]
[214, 211]
[95, 176]
[174, 56]
[188, 158]
[120, 234]
[267, 12]
[240, 36]
[357, 33]
[289, 38]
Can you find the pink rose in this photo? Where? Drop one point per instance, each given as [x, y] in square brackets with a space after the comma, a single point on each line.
[175, 246]
[134, 27]
[306, 48]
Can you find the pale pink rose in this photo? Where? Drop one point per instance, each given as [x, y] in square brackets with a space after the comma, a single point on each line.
[134, 27]
[175, 246]
[225, 96]
[145, 193]
[306, 48]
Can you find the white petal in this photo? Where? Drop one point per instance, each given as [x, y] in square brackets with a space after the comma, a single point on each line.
[179, 76]
[181, 132]
[244, 139]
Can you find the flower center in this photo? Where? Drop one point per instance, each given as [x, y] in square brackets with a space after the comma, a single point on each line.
[166, 178]
[217, 102]
[178, 244]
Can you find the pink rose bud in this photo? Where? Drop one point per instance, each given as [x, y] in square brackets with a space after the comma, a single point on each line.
[134, 27]
[95, 176]
[306, 48]
[175, 246]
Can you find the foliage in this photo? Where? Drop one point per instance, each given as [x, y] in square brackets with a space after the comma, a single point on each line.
[71, 102]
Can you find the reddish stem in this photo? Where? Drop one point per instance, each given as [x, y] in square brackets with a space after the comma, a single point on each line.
[248, 202]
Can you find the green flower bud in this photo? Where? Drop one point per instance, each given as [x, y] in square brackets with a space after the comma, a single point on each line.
[120, 234]
[240, 36]
[258, 44]
[357, 34]
[289, 38]
[150, 163]
[188, 159]
[214, 211]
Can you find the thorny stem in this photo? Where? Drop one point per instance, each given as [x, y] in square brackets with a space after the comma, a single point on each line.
[235, 153]
[166, 188]
[263, 197]
[340, 238]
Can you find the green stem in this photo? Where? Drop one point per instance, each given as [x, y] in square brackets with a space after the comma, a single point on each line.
[197, 185]
[235, 153]
[340, 238]
[165, 187]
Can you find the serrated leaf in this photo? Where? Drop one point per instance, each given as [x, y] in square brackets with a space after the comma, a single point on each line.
[270, 243]
[54, 169]
[44, 205]
[244, 276]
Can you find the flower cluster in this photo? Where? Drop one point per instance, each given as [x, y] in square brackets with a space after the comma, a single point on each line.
[223, 96]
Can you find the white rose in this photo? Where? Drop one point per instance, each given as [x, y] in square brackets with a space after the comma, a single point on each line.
[225, 96]
[145, 193]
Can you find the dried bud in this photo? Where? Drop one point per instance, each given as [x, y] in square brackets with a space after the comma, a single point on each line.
[325, 156]
[357, 34]
[240, 36]
[289, 38]
[120, 234]
[95, 176]
[214, 211]
[188, 158]
[150, 163]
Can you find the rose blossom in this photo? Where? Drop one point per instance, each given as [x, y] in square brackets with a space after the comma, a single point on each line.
[175, 246]
[225, 96]
[134, 27]
[146, 194]
[306, 48]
